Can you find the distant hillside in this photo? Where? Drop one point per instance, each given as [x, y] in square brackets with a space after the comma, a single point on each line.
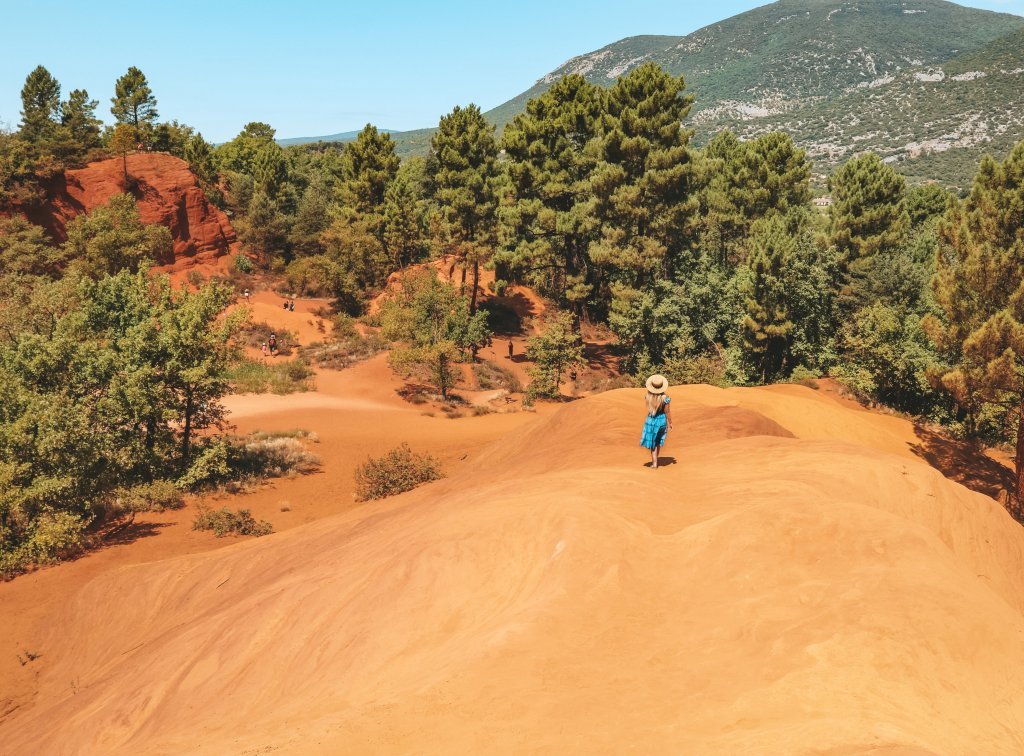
[345, 136]
[929, 84]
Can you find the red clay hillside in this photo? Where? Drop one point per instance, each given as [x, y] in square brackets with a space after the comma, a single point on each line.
[167, 192]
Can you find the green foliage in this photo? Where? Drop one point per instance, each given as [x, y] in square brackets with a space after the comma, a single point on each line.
[264, 231]
[369, 166]
[741, 182]
[25, 249]
[464, 169]
[397, 471]
[112, 238]
[242, 264]
[40, 105]
[767, 325]
[979, 287]
[550, 227]
[491, 375]
[174, 137]
[133, 102]
[258, 377]
[239, 155]
[434, 322]
[557, 349]
[102, 390]
[642, 184]
[868, 213]
[888, 357]
[224, 522]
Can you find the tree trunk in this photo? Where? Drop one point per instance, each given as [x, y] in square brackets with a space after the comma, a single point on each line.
[186, 438]
[442, 377]
[476, 283]
[1019, 460]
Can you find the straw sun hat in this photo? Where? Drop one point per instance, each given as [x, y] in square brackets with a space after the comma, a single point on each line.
[657, 384]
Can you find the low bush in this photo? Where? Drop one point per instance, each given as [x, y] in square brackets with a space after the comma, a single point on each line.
[491, 375]
[255, 334]
[271, 456]
[149, 497]
[51, 537]
[345, 348]
[224, 522]
[257, 377]
[400, 470]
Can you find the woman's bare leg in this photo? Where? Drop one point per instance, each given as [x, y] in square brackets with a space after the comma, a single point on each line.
[654, 456]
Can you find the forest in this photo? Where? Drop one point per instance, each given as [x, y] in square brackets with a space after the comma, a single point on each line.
[709, 265]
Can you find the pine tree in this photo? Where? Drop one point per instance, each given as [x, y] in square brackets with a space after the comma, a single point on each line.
[463, 163]
[78, 116]
[742, 182]
[403, 222]
[122, 141]
[133, 102]
[40, 105]
[199, 156]
[550, 227]
[767, 325]
[369, 166]
[868, 213]
[269, 171]
[264, 230]
[979, 285]
[643, 182]
[312, 218]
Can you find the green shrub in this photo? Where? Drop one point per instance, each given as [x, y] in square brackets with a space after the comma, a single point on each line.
[257, 377]
[491, 375]
[269, 455]
[242, 264]
[149, 497]
[52, 536]
[224, 522]
[400, 470]
[804, 377]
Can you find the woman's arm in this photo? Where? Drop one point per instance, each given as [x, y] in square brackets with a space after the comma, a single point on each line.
[668, 415]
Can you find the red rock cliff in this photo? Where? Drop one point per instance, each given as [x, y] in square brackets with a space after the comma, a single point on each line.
[167, 193]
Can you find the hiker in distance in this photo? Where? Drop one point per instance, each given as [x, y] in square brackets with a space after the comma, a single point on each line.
[659, 417]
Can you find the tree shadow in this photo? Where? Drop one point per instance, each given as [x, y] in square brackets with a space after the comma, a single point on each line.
[124, 534]
[966, 463]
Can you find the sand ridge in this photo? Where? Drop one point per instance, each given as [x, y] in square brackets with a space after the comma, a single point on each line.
[776, 588]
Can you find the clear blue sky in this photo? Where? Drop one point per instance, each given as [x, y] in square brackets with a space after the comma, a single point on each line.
[312, 68]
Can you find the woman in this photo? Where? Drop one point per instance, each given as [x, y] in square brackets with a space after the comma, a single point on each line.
[659, 417]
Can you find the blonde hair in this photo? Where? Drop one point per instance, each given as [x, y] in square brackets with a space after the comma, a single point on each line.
[655, 403]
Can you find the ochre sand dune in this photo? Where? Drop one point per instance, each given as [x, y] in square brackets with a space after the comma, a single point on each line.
[795, 582]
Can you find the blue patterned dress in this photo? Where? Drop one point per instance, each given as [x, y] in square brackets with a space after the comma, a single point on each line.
[655, 428]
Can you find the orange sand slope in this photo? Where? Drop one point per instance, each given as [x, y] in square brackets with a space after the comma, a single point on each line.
[776, 589]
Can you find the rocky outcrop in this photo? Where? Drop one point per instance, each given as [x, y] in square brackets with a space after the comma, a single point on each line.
[167, 193]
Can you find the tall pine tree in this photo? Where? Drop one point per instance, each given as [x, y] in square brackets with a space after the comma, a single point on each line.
[551, 227]
[464, 167]
[643, 182]
[133, 102]
[40, 105]
[979, 285]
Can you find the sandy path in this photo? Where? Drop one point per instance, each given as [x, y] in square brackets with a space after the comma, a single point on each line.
[777, 588]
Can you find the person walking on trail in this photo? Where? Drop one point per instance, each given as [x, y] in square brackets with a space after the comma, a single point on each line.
[511, 349]
[658, 422]
[247, 296]
[272, 343]
[263, 348]
[291, 305]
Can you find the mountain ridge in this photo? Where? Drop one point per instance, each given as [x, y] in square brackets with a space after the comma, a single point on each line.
[811, 67]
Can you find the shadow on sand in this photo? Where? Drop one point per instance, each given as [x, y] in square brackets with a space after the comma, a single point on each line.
[967, 464]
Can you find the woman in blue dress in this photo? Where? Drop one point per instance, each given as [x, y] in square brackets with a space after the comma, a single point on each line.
[659, 417]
